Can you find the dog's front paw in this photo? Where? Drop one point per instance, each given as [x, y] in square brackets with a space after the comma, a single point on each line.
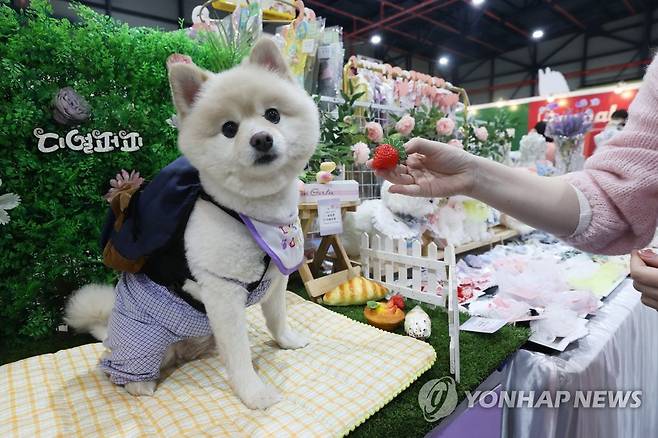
[141, 388]
[259, 395]
[291, 340]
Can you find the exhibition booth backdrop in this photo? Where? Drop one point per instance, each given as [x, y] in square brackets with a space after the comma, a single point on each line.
[524, 114]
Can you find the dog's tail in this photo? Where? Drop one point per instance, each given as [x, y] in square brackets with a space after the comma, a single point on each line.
[89, 308]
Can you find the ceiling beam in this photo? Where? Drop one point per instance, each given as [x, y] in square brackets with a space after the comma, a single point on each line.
[473, 69]
[502, 20]
[605, 34]
[426, 11]
[559, 48]
[566, 14]
[557, 64]
[571, 74]
[629, 6]
[513, 61]
[444, 26]
[390, 18]
[317, 4]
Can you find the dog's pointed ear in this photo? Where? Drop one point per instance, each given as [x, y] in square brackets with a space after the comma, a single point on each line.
[266, 54]
[185, 81]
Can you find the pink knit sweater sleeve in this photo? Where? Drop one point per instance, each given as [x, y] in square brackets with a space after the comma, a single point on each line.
[620, 181]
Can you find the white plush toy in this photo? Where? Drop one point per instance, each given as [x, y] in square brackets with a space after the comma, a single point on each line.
[447, 224]
[395, 216]
[476, 227]
[460, 220]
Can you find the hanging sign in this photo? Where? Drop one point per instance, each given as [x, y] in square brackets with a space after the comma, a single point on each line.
[95, 141]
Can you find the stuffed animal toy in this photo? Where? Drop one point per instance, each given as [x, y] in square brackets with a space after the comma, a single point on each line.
[459, 220]
[476, 226]
[395, 216]
[446, 225]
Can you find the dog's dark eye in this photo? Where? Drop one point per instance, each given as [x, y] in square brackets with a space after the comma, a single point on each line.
[230, 129]
[272, 115]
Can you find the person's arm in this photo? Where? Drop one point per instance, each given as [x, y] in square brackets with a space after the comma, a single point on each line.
[550, 204]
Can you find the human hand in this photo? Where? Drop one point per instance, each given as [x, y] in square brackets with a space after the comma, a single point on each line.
[644, 264]
[432, 169]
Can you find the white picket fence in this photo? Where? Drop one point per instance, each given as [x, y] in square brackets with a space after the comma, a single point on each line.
[383, 258]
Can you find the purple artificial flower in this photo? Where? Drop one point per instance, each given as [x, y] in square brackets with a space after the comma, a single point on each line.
[69, 108]
[569, 125]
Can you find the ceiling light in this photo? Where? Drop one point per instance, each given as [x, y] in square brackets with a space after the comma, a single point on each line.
[375, 39]
[477, 2]
[444, 60]
[537, 34]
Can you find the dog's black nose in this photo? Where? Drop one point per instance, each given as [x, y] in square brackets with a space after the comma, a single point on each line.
[261, 141]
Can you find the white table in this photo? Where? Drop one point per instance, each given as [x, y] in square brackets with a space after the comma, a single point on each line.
[621, 352]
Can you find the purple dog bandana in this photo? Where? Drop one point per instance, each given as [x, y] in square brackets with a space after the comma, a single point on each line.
[283, 243]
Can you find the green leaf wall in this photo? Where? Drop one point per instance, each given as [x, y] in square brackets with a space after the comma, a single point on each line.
[50, 247]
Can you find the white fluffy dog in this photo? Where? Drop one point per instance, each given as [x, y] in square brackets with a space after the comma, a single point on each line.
[249, 132]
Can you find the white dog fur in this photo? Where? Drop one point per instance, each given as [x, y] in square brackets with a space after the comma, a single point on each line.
[216, 245]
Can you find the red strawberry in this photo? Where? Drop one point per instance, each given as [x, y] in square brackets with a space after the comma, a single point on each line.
[397, 301]
[386, 157]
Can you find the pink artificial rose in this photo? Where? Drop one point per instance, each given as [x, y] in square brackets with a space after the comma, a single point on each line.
[446, 100]
[405, 125]
[438, 100]
[360, 153]
[481, 133]
[451, 99]
[456, 143]
[445, 126]
[374, 132]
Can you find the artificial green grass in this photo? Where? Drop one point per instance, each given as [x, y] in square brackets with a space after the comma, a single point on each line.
[402, 417]
[480, 355]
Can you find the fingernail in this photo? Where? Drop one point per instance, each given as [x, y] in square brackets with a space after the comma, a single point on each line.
[647, 253]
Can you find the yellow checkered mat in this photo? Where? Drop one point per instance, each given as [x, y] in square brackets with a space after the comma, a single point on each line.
[348, 372]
